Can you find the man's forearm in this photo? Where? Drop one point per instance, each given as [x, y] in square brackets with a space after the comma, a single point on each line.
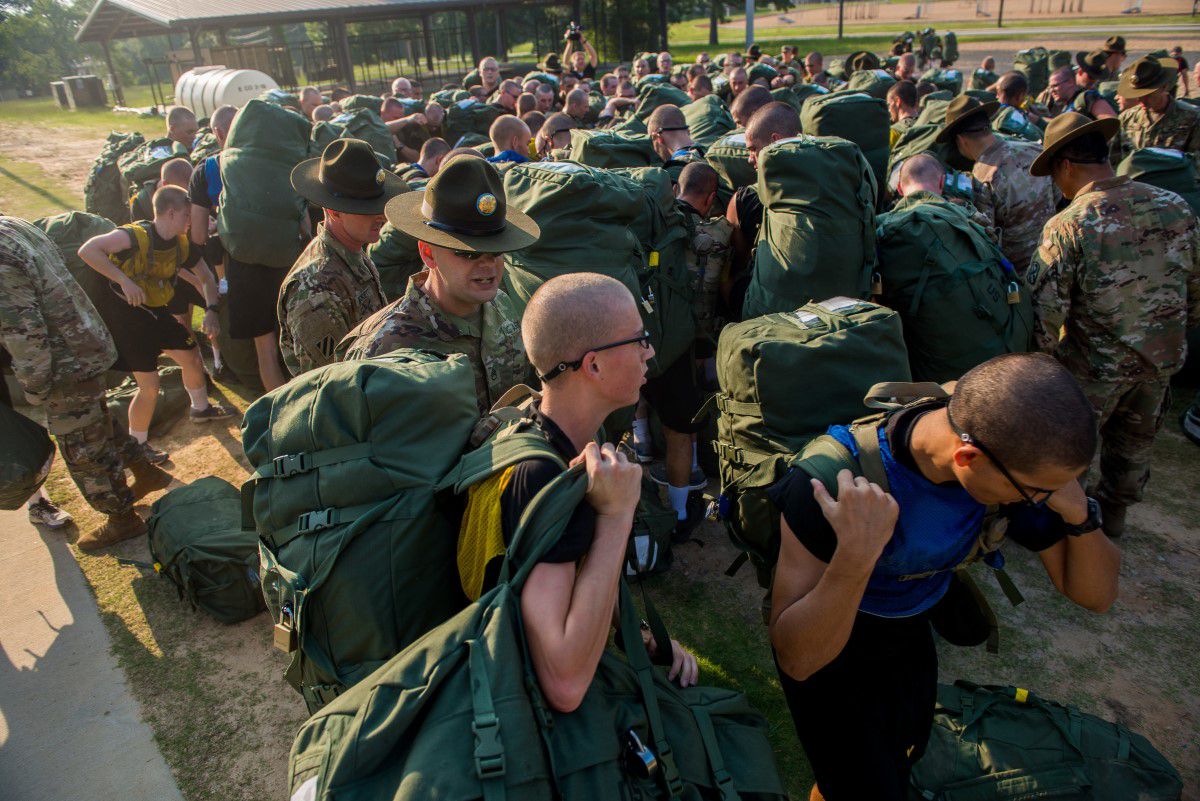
[589, 616]
[1091, 564]
[98, 260]
[812, 631]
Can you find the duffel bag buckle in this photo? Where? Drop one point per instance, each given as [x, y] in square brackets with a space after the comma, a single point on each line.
[640, 761]
[290, 464]
[318, 520]
[489, 751]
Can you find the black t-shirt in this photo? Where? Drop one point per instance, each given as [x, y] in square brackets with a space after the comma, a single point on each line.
[750, 212]
[586, 74]
[1032, 528]
[158, 243]
[198, 188]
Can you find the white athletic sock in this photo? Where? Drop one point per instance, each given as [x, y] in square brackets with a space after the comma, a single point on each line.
[678, 496]
[199, 398]
[641, 430]
[140, 436]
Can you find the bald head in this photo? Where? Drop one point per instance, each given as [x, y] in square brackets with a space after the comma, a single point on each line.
[749, 102]
[569, 314]
[509, 133]
[221, 121]
[1012, 88]
[921, 172]
[772, 122]
[665, 118]
[176, 172]
[322, 113]
[577, 103]
[402, 87]
[182, 126]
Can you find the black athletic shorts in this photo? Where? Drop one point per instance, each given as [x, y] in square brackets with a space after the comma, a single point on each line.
[142, 333]
[253, 295]
[864, 719]
[675, 395]
[186, 296]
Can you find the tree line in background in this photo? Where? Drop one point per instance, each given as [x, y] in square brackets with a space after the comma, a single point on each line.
[37, 37]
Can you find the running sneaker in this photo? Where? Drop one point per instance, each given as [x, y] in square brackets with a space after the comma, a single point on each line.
[43, 512]
[213, 411]
[696, 481]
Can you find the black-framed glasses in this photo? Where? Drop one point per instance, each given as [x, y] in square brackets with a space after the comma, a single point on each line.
[470, 255]
[562, 367]
[1030, 497]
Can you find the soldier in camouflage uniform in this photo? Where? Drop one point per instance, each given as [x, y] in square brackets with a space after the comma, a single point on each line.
[60, 349]
[1152, 116]
[463, 226]
[1119, 270]
[333, 285]
[1015, 204]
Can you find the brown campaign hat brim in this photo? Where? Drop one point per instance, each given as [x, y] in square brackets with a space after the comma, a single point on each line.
[951, 129]
[406, 213]
[1127, 90]
[1107, 126]
[306, 180]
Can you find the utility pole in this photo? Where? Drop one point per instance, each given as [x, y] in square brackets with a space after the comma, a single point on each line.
[749, 23]
[1000, 16]
[841, 16]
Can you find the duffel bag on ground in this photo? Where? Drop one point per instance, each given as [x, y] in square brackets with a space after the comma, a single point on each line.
[106, 192]
[960, 300]
[26, 454]
[784, 379]
[856, 117]
[196, 541]
[817, 238]
[459, 715]
[607, 149]
[991, 743]
[1165, 168]
[260, 213]
[708, 120]
[358, 552]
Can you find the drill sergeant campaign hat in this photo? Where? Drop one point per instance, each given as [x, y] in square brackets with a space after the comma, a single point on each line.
[960, 110]
[464, 208]
[1146, 76]
[1115, 44]
[1091, 63]
[1066, 128]
[347, 178]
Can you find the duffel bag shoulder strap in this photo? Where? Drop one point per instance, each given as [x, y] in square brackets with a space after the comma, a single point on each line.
[825, 457]
[293, 464]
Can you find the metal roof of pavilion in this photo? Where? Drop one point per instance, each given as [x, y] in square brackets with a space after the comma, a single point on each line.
[121, 19]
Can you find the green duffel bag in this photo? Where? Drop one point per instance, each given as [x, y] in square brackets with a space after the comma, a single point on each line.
[260, 213]
[760, 70]
[991, 743]
[983, 79]
[708, 120]
[875, 83]
[1034, 64]
[196, 540]
[366, 125]
[665, 284]
[106, 193]
[946, 80]
[730, 158]
[469, 116]
[960, 300]
[346, 462]
[631, 125]
[858, 118]
[323, 134]
[282, 99]
[356, 102]
[950, 47]
[460, 716]
[206, 145]
[651, 96]
[1167, 169]
[26, 455]
[144, 162]
[817, 238]
[786, 94]
[540, 77]
[1014, 122]
[1108, 90]
[68, 231]
[173, 401]
[982, 95]
[607, 149]
[395, 257]
[784, 379]
[448, 97]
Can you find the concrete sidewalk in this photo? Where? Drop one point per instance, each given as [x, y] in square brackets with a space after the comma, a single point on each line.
[69, 729]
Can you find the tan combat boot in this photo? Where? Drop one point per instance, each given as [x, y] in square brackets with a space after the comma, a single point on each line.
[147, 478]
[119, 527]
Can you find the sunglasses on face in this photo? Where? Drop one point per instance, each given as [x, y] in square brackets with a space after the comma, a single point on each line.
[1033, 496]
[470, 255]
[562, 367]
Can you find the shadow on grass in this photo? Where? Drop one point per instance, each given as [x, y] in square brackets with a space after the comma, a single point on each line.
[37, 190]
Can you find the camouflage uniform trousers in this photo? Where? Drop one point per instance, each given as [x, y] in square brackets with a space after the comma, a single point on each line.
[1130, 416]
[92, 446]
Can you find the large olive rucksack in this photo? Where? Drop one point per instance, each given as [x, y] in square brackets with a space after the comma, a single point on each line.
[855, 117]
[982, 79]
[784, 379]
[708, 120]
[1165, 168]
[355, 102]
[448, 97]
[960, 300]
[607, 149]
[991, 742]
[950, 47]
[875, 83]
[26, 455]
[281, 99]
[106, 192]
[949, 79]
[260, 213]
[730, 158]
[817, 238]
[197, 542]
[395, 257]
[651, 96]
[206, 145]
[357, 549]
[1034, 64]
[362, 124]
[144, 162]
[469, 116]
[68, 231]
[1015, 122]
[460, 714]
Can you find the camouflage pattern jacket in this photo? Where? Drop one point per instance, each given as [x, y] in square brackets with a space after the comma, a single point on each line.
[328, 291]
[1015, 203]
[1178, 129]
[1120, 268]
[47, 324]
[492, 340]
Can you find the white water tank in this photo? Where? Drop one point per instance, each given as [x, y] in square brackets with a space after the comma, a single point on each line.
[205, 89]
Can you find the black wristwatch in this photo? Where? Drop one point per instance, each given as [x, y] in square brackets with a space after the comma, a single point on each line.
[1095, 520]
[213, 307]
